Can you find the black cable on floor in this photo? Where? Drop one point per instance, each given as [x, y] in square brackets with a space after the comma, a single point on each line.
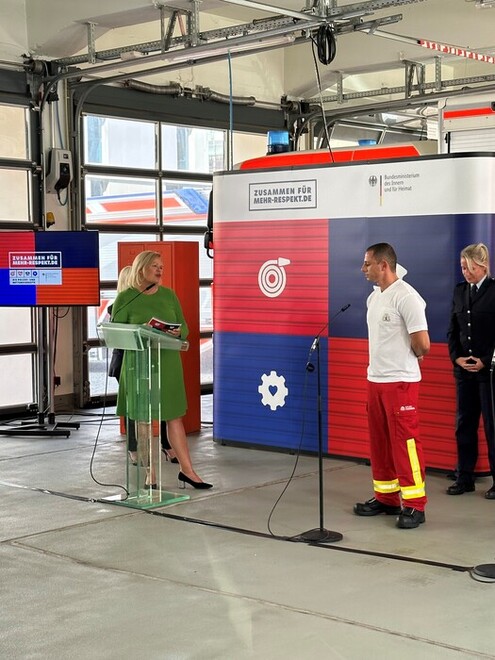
[249, 532]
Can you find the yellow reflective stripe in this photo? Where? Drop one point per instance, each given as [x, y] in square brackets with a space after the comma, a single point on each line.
[386, 486]
[414, 462]
[410, 492]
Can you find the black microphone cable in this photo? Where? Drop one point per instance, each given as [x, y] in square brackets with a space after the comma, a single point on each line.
[93, 453]
[294, 467]
[309, 367]
[323, 57]
[114, 316]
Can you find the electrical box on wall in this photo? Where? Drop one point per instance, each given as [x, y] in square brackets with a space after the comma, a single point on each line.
[59, 173]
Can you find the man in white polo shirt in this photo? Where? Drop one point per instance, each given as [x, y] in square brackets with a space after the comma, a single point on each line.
[398, 339]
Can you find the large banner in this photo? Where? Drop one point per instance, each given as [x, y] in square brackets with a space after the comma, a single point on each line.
[289, 245]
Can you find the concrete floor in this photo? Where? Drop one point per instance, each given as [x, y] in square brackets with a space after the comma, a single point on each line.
[203, 579]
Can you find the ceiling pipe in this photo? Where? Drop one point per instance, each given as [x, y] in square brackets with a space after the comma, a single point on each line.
[204, 93]
[172, 89]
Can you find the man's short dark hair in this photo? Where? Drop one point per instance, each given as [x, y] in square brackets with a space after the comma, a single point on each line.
[384, 252]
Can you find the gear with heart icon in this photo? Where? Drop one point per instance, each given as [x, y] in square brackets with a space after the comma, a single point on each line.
[273, 390]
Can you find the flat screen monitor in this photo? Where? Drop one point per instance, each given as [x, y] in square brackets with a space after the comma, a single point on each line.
[49, 268]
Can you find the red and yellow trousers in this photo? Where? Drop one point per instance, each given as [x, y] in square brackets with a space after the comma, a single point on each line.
[396, 454]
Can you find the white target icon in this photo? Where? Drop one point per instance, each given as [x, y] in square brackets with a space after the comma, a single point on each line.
[272, 277]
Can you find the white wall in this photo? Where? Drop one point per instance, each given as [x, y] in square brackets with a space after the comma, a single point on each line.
[13, 30]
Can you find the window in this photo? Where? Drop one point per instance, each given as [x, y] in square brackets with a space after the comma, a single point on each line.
[17, 338]
[169, 203]
[189, 149]
[119, 142]
[120, 201]
[14, 132]
[15, 195]
[23, 392]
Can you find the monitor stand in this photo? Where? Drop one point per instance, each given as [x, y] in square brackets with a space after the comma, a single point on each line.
[42, 427]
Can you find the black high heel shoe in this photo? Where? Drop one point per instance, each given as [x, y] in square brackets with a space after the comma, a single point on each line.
[172, 459]
[183, 480]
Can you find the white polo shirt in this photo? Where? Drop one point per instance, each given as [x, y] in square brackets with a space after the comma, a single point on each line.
[392, 316]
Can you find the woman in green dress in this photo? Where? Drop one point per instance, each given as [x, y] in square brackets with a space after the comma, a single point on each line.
[144, 299]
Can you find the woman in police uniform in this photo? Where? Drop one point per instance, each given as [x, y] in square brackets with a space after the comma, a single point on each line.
[471, 338]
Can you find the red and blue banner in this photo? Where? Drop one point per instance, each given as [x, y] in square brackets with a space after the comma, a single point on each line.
[289, 245]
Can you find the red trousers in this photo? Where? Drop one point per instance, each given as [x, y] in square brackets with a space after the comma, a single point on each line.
[397, 462]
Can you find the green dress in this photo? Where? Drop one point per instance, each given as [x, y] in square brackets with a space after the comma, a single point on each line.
[164, 305]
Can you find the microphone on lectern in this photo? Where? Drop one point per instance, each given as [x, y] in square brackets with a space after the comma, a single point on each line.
[309, 365]
[114, 316]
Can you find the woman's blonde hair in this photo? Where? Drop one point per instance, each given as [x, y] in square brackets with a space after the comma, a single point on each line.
[123, 281]
[477, 253]
[141, 262]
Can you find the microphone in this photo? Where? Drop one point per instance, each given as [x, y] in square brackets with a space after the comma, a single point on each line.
[309, 365]
[114, 319]
[492, 364]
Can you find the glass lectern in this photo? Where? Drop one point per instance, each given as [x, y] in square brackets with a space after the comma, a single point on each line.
[143, 346]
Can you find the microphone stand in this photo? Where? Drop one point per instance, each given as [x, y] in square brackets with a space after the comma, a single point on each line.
[320, 534]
